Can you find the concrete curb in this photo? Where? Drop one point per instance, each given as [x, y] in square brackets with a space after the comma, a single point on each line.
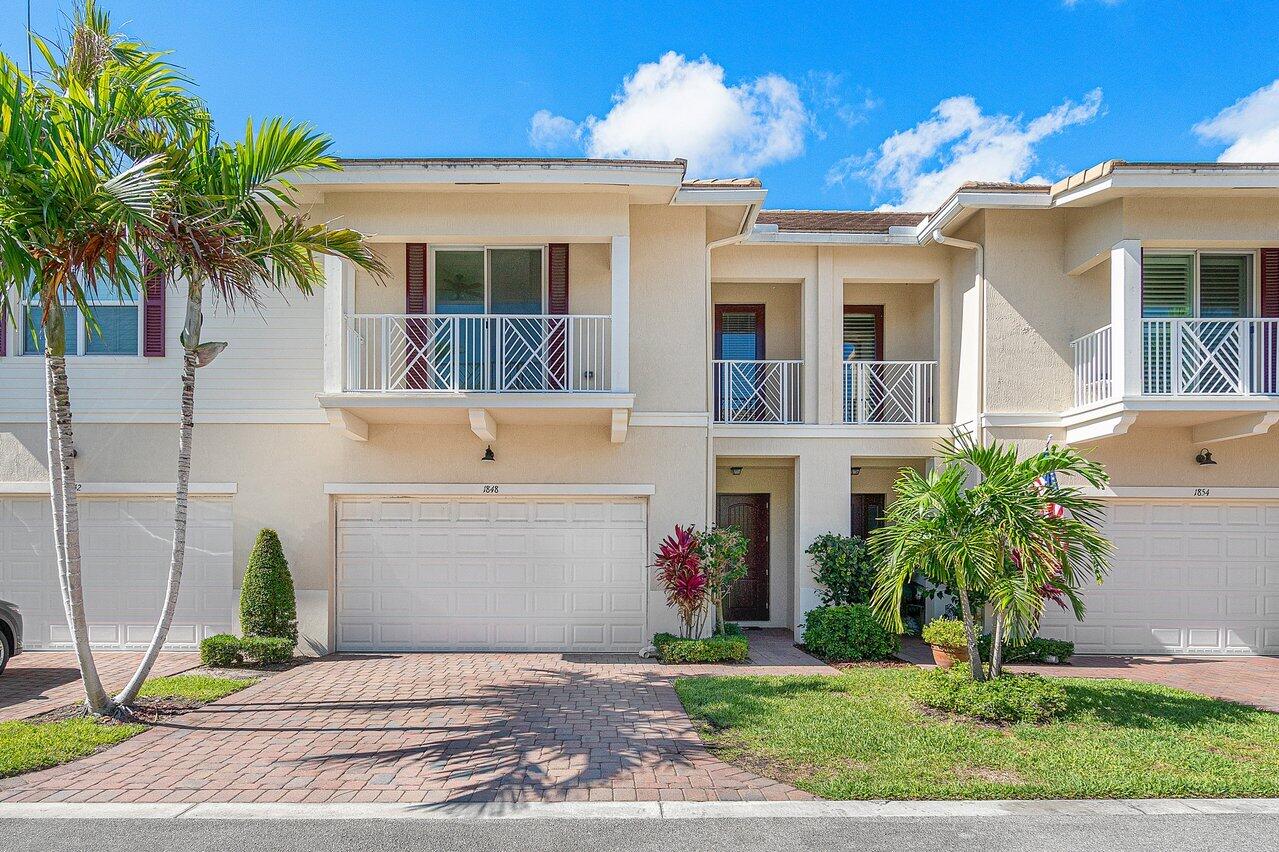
[640, 810]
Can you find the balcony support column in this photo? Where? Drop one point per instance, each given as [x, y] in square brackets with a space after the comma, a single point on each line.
[1125, 318]
[620, 356]
[339, 300]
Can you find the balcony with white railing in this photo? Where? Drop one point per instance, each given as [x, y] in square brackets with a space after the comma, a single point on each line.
[472, 353]
[1201, 357]
[757, 391]
[899, 392]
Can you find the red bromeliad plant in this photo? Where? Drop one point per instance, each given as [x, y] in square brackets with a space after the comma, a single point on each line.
[679, 567]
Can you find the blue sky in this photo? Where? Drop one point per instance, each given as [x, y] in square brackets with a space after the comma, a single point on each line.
[859, 105]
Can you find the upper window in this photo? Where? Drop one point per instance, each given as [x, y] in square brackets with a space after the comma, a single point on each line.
[119, 329]
[1196, 284]
[488, 281]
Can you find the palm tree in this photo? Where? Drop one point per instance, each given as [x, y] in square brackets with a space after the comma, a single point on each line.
[1001, 537]
[73, 204]
[234, 227]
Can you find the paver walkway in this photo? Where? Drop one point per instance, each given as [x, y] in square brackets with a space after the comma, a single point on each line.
[1246, 680]
[432, 728]
[46, 680]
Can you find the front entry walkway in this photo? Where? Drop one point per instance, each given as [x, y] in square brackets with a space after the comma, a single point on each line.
[433, 728]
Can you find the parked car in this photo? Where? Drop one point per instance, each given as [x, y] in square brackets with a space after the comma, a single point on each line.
[10, 632]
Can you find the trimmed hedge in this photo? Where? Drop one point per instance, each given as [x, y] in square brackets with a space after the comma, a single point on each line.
[1036, 650]
[225, 651]
[848, 634]
[713, 649]
[1008, 699]
[267, 603]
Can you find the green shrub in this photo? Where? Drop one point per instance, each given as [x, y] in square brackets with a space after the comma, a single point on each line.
[732, 628]
[945, 632]
[266, 649]
[221, 651]
[1036, 650]
[847, 633]
[267, 604]
[714, 649]
[844, 567]
[1008, 699]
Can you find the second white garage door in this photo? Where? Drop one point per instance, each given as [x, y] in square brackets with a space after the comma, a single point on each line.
[430, 574]
[1188, 577]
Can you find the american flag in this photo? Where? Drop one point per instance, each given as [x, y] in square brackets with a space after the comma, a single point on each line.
[1047, 484]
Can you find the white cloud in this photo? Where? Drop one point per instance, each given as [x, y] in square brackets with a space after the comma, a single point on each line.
[548, 132]
[1250, 125]
[827, 92]
[677, 107]
[959, 143]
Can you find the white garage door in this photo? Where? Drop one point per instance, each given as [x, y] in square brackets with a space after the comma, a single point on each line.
[126, 545]
[424, 574]
[1188, 578]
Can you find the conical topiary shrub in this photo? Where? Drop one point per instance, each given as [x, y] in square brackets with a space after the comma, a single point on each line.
[267, 605]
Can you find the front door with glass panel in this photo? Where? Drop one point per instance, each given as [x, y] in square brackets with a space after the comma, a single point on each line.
[739, 377]
[490, 334]
[864, 386]
[1193, 340]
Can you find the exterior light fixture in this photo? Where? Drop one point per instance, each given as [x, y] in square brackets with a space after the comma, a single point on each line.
[1204, 457]
[857, 469]
[488, 454]
[736, 470]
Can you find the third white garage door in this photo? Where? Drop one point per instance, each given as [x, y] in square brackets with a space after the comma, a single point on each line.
[430, 574]
[1189, 577]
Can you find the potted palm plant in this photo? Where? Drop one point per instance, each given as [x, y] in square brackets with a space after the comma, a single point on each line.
[947, 639]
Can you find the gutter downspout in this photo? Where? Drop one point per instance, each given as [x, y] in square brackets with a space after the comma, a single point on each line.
[980, 259]
[748, 225]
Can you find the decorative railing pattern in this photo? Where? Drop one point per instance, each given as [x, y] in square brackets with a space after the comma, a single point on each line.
[1211, 357]
[433, 353]
[1092, 354]
[757, 391]
[889, 391]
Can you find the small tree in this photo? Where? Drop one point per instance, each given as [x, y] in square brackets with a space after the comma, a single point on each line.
[267, 604]
[845, 567]
[723, 551]
[679, 568]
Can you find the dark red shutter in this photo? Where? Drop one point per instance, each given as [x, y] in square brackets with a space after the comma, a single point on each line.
[557, 303]
[1269, 308]
[416, 329]
[4, 331]
[153, 316]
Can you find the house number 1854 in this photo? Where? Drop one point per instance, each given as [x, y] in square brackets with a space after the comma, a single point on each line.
[1201, 492]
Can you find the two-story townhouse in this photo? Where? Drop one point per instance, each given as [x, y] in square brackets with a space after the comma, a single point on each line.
[573, 356]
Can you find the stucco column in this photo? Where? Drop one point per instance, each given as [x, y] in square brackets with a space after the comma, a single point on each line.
[339, 302]
[823, 483]
[620, 356]
[1125, 318]
[943, 392]
[830, 318]
[811, 336]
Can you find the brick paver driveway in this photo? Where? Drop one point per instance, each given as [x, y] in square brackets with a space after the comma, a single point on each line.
[46, 680]
[432, 728]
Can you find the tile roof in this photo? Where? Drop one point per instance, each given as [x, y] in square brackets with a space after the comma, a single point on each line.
[852, 221]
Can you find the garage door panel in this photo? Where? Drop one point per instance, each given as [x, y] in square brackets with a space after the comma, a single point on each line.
[534, 574]
[1188, 577]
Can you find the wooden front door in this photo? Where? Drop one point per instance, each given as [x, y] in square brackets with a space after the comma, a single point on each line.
[868, 513]
[748, 601]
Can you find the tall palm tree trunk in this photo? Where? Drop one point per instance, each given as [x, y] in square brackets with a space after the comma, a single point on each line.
[997, 646]
[178, 557]
[970, 633]
[66, 514]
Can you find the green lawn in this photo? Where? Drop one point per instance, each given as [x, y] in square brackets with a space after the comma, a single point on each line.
[859, 736]
[28, 746]
[202, 688]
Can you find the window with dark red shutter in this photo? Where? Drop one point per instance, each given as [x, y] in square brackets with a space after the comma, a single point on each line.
[1270, 282]
[417, 329]
[557, 278]
[153, 317]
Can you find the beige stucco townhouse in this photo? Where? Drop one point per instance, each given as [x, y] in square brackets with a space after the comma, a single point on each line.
[573, 356]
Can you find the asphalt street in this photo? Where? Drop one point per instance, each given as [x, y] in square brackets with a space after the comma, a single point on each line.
[1036, 833]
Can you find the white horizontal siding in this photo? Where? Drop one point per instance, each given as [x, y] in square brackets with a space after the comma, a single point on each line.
[272, 365]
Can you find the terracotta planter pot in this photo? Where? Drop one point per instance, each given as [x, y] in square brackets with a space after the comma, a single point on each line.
[946, 657]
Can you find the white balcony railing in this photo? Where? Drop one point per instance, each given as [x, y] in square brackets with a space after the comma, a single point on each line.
[425, 353]
[757, 391]
[889, 391]
[1215, 357]
[1092, 354]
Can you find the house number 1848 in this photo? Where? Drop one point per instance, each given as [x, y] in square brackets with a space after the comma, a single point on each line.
[490, 489]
